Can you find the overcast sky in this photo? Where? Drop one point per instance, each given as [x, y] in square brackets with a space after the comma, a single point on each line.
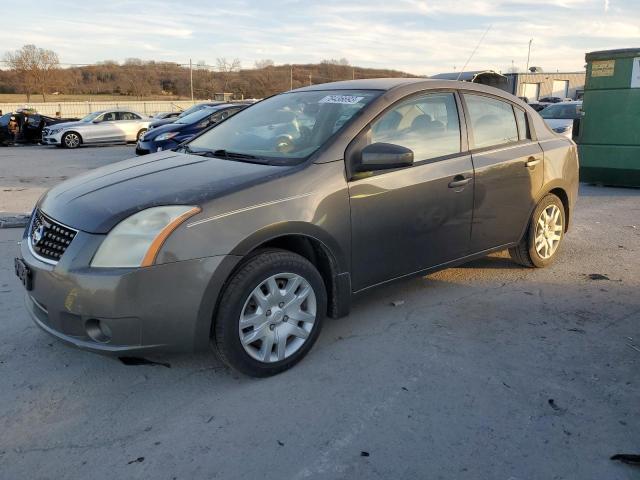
[417, 36]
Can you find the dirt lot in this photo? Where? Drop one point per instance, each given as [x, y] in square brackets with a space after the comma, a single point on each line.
[488, 371]
[26, 172]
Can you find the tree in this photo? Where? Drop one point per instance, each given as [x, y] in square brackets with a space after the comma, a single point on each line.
[267, 62]
[35, 67]
[226, 66]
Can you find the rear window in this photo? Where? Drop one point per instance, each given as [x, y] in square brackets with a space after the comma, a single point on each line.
[492, 121]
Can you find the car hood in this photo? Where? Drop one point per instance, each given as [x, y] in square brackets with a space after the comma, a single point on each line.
[558, 122]
[71, 124]
[172, 127]
[98, 200]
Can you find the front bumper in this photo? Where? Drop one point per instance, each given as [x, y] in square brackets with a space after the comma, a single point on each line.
[166, 307]
[52, 139]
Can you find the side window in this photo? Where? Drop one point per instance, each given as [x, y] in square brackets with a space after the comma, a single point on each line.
[428, 125]
[492, 121]
[523, 124]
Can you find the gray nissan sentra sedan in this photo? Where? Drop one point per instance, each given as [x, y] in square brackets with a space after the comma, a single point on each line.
[249, 235]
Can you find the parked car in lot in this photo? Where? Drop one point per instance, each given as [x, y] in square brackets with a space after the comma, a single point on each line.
[169, 136]
[560, 117]
[165, 115]
[30, 125]
[551, 100]
[106, 126]
[164, 121]
[246, 237]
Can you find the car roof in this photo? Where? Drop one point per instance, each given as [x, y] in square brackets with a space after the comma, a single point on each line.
[407, 86]
[364, 84]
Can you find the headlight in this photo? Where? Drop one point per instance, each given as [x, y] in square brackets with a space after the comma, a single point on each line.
[53, 131]
[166, 136]
[136, 241]
[562, 129]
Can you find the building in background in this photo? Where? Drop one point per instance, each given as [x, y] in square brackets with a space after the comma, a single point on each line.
[537, 85]
[533, 85]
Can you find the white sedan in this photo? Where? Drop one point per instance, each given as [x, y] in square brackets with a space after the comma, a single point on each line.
[106, 126]
[560, 116]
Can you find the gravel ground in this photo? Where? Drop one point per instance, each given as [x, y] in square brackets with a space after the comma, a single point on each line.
[488, 371]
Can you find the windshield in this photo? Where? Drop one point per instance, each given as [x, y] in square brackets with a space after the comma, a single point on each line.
[562, 111]
[289, 126]
[91, 117]
[196, 116]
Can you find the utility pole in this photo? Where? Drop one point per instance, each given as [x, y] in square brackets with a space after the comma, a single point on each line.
[191, 76]
[309, 79]
[529, 54]
[353, 73]
[291, 78]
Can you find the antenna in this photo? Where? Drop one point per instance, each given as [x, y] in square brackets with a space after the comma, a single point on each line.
[474, 51]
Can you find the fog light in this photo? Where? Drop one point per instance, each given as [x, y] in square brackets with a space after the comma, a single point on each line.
[98, 330]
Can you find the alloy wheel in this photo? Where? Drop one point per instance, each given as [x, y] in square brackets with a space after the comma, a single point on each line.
[277, 317]
[71, 140]
[548, 232]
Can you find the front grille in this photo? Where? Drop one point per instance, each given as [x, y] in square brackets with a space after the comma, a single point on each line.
[47, 238]
[45, 132]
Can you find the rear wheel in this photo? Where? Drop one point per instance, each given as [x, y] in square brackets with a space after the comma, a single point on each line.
[140, 134]
[71, 140]
[270, 314]
[541, 243]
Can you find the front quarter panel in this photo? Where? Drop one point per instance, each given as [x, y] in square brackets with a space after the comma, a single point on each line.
[312, 201]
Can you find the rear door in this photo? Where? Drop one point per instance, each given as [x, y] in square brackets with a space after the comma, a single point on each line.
[129, 125]
[408, 219]
[508, 167]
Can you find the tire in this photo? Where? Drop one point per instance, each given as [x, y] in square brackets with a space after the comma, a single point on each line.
[140, 134]
[272, 342]
[542, 252]
[71, 140]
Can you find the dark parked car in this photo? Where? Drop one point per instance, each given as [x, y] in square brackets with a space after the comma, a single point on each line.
[169, 136]
[250, 234]
[164, 115]
[30, 125]
[551, 100]
[164, 121]
[538, 106]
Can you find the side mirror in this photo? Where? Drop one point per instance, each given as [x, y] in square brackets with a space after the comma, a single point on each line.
[381, 156]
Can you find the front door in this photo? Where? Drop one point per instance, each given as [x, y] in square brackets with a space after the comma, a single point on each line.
[508, 170]
[409, 219]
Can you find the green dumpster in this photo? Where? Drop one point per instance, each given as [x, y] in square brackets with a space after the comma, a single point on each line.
[609, 138]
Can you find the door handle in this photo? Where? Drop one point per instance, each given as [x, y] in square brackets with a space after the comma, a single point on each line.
[459, 181]
[532, 162]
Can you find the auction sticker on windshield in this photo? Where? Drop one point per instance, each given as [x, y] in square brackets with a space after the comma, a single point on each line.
[343, 99]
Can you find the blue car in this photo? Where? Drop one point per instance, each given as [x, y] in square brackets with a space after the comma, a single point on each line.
[169, 136]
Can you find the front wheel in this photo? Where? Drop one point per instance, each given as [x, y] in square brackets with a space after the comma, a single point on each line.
[540, 245]
[71, 140]
[270, 314]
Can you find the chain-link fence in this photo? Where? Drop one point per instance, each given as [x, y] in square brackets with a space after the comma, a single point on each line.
[80, 109]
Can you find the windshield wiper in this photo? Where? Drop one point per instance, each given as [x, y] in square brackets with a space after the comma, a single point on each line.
[243, 157]
[221, 153]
